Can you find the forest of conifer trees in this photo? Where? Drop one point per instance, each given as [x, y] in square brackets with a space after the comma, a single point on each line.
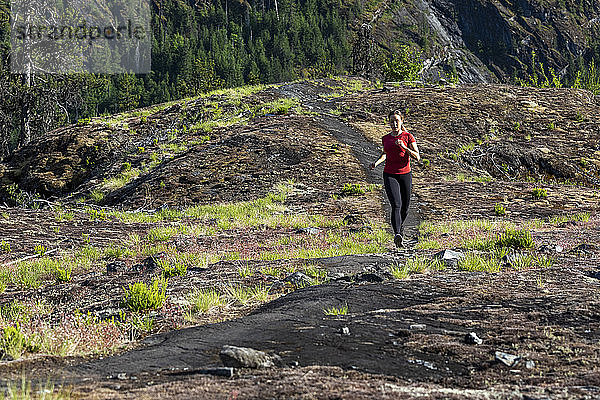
[196, 47]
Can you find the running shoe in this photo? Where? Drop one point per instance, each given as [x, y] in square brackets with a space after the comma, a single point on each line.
[398, 240]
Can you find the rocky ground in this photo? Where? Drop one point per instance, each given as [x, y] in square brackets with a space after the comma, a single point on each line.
[535, 322]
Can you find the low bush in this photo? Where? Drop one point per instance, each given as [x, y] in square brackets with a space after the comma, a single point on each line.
[515, 238]
[14, 343]
[141, 297]
[499, 209]
[539, 193]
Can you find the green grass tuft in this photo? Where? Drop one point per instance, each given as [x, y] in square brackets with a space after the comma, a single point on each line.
[343, 310]
[140, 297]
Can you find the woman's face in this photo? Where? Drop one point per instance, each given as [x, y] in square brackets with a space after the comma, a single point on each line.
[395, 122]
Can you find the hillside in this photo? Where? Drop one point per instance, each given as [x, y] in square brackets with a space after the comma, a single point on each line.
[202, 46]
[490, 40]
[256, 208]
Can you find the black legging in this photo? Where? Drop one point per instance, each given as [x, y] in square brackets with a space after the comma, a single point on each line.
[397, 188]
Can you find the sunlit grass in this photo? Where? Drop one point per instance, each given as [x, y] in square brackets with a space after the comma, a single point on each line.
[203, 300]
[245, 295]
[342, 310]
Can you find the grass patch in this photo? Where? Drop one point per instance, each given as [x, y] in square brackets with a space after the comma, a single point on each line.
[475, 262]
[343, 310]
[271, 271]
[172, 267]
[33, 327]
[117, 252]
[499, 209]
[97, 195]
[245, 271]
[62, 215]
[204, 299]
[246, 295]
[415, 265]
[25, 392]
[478, 243]
[120, 180]
[162, 234]
[428, 245]
[140, 297]
[515, 238]
[355, 189]
[14, 343]
[561, 219]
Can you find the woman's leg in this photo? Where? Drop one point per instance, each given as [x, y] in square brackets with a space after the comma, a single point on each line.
[392, 189]
[405, 183]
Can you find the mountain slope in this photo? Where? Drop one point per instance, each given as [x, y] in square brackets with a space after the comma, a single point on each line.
[492, 40]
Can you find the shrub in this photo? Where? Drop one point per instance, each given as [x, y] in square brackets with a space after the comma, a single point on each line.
[170, 269]
[539, 193]
[63, 274]
[402, 65]
[352, 189]
[14, 343]
[499, 209]
[140, 297]
[515, 238]
[40, 249]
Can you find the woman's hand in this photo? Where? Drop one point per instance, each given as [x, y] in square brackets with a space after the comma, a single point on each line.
[372, 166]
[401, 143]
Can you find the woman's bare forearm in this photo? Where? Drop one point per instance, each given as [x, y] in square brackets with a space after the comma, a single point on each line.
[414, 154]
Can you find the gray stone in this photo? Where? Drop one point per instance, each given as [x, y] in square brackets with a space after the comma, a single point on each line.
[418, 327]
[450, 257]
[115, 267]
[510, 360]
[298, 279]
[345, 331]
[309, 231]
[244, 357]
[529, 364]
[472, 338]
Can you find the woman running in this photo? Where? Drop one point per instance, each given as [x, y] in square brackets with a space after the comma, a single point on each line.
[398, 147]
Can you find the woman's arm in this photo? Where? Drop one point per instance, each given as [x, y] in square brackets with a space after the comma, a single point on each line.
[413, 151]
[379, 161]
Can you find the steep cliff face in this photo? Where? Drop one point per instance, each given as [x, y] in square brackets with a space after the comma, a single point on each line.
[491, 40]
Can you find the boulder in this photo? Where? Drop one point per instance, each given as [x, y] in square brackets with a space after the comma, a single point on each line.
[244, 357]
[450, 257]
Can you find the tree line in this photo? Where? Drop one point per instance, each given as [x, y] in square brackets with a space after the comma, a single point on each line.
[196, 47]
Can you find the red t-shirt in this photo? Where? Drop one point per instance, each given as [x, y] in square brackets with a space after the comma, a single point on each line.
[397, 160]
